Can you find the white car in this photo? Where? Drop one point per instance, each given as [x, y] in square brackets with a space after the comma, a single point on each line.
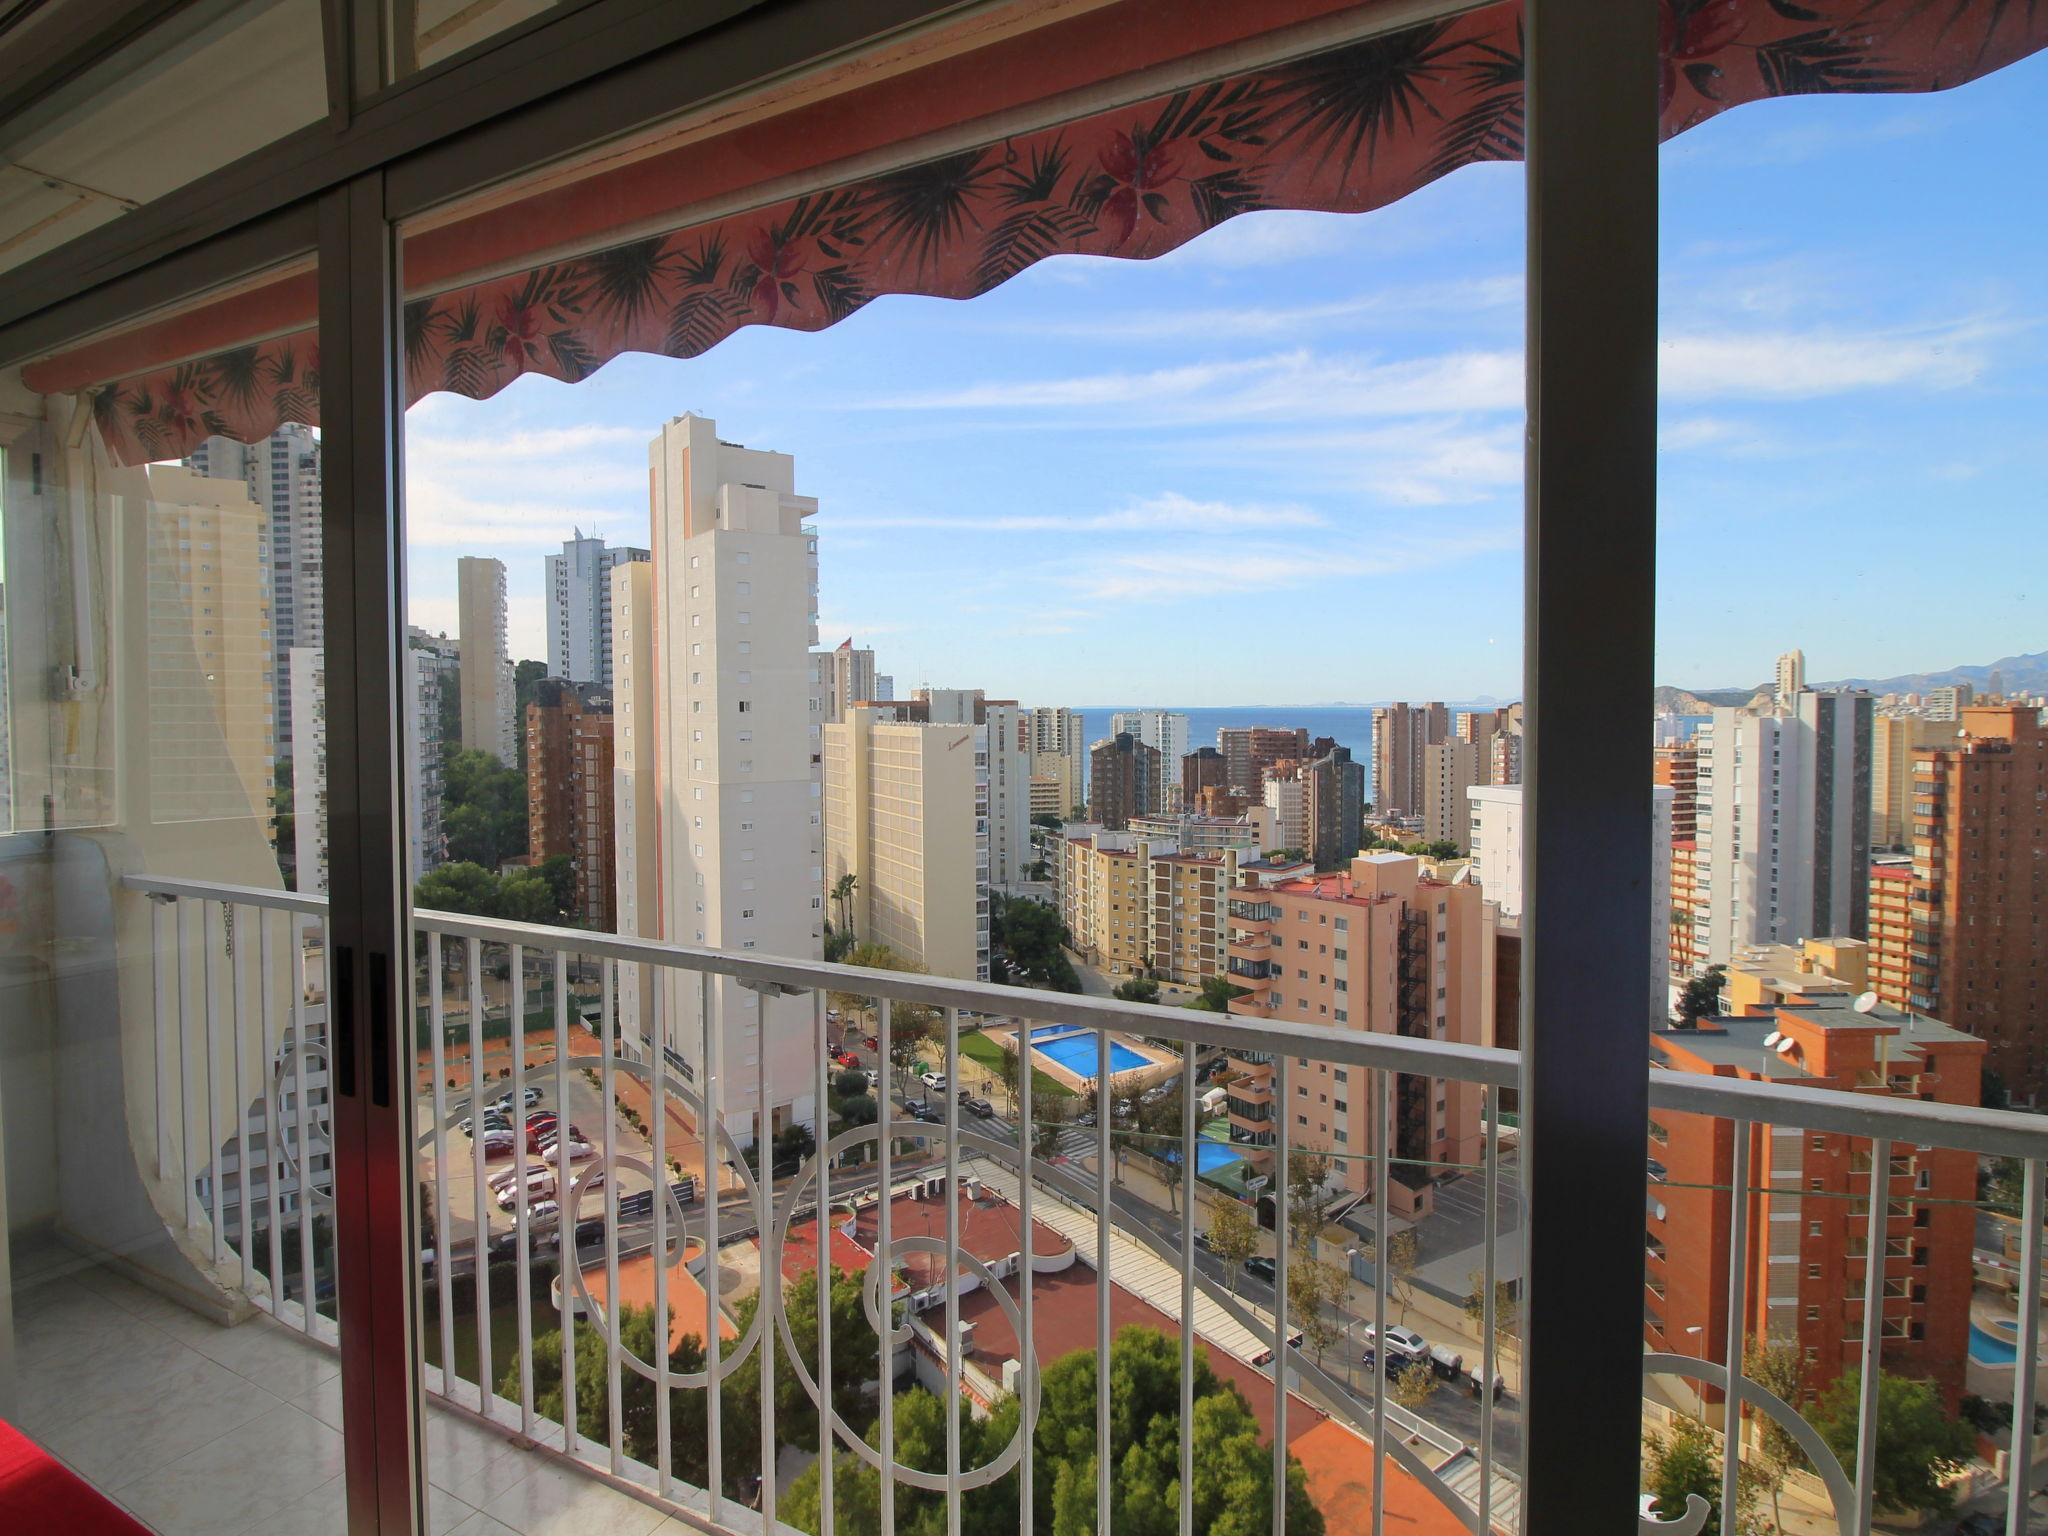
[1400, 1342]
[934, 1082]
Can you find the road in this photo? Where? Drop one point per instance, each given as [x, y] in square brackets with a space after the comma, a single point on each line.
[1452, 1407]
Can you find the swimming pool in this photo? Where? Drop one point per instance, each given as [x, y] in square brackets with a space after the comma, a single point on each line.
[1210, 1156]
[1990, 1349]
[1080, 1052]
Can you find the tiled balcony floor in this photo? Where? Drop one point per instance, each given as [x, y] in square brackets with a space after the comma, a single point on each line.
[200, 1430]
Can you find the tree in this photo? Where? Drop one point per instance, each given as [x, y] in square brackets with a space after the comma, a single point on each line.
[1049, 1118]
[1158, 1135]
[525, 675]
[459, 887]
[1217, 991]
[1032, 937]
[1683, 1463]
[560, 873]
[1404, 1253]
[842, 894]
[1047, 820]
[1139, 989]
[1504, 1306]
[1437, 848]
[911, 1025]
[1009, 1067]
[1702, 995]
[1917, 1443]
[1233, 1234]
[919, 1423]
[636, 1393]
[1413, 1385]
[527, 897]
[1315, 1297]
[838, 943]
[1775, 1365]
[284, 818]
[1309, 1198]
[483, 807]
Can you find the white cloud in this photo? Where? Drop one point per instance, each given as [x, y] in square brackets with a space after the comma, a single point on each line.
[1803, 364]
[1168, 510]
[1287, 385]
[1424, 462]
[1427, 302]
[441, 517]
[1178, 574]
[1302, 384]
[546, 443]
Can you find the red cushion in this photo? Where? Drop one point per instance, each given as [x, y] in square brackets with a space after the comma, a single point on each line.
[40, 1493]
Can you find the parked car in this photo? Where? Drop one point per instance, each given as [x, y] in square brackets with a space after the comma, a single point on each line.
[1258, 1264]
[1404, 1346]
[934, 1082]
[846, 1059]
[498, 1144]
[927, 1113]
[874, 1078]
[981, 1107]
[872, 1042]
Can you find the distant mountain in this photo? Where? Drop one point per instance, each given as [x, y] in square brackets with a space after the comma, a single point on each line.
[1678, 701]
[2018, 674]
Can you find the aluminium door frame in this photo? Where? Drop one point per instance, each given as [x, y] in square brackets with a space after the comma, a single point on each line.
[1590, 367]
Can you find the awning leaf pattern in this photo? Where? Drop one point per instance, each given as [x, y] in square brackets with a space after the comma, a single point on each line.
[1345, 130]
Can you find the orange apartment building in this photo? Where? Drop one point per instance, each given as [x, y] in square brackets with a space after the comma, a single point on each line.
[1375, 948]
[1677, 768]
[1891, 929]
[1808, 1221]
[569, 789]
[1980, 888]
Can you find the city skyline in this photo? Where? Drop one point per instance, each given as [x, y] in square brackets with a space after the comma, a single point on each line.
[1081, 479]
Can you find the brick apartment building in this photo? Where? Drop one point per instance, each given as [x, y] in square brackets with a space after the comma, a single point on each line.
[1124, 780]
[1376, 948]
[1891, 928]
[1980, 888]
[1808, 1221]
[569, 789]
[1250, 751]
[1677, 769]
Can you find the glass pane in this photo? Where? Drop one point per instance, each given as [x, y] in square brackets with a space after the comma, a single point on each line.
[167, 1288]
[428, 31]
[1849, 763]
[829, 622]
[201, 89]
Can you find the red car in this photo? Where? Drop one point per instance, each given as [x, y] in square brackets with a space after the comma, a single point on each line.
[872, 1042]
[847, 1059]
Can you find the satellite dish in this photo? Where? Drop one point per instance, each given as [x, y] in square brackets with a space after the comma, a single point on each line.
[1787, 1046]
[1866, 1002]
[1773, 1038]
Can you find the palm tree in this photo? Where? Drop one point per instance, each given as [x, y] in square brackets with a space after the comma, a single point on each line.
[842, 892]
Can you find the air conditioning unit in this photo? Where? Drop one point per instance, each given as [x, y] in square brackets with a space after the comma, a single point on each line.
[966, 1338]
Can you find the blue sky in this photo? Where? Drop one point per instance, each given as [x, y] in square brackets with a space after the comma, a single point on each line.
[1283, 464]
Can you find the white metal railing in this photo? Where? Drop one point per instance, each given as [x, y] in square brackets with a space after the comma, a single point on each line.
[794, 1017]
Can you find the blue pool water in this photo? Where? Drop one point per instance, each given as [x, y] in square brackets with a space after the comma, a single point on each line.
[1989, 1349]
[1080, 1053]
[1209, 1155]
[1052, 1032]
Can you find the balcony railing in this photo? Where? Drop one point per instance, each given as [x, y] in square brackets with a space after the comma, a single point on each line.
[1072, 1206]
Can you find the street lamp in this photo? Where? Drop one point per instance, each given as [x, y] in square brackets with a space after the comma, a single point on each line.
[1699, 1392]
[1350, 1278]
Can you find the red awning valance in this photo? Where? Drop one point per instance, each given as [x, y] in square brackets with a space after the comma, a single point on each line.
[1344, 129]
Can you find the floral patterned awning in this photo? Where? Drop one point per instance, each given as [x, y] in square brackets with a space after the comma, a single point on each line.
[1346, 129]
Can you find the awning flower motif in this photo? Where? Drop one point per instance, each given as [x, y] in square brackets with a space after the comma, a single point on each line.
[1344, 130]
